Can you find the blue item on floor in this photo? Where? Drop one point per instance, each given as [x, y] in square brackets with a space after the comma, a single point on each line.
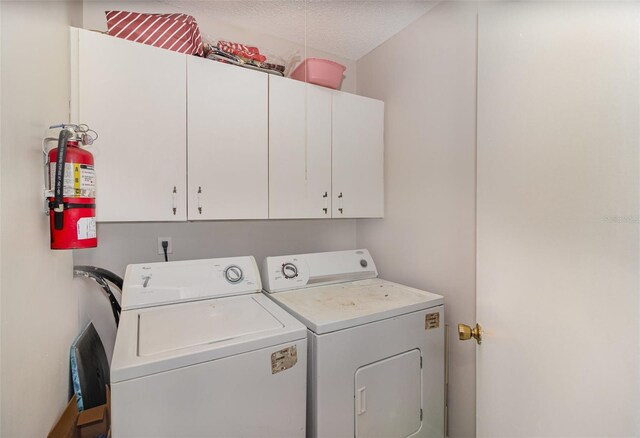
[89, 369]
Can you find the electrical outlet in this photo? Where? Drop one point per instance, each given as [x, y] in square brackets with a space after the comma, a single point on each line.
[161, 249]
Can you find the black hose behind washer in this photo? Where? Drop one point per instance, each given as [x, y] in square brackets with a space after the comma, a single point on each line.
[108, 275]
[103, 277]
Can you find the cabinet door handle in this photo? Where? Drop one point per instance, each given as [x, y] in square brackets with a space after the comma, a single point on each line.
[340, 203]
[199, 200]
[174, 200]
[326, 203]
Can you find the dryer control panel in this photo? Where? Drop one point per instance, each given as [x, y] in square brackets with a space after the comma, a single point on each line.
[154, 284]
[282, 273]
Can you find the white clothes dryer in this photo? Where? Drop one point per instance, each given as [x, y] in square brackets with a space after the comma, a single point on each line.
[376, 365]
[200, 352]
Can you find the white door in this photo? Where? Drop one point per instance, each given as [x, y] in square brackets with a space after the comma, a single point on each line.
[134, 96]
[299, 150]
[358, 156]
[558, 219]
[227, 141]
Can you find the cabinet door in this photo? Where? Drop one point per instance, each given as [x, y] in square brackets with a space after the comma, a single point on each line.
[299, 150]
[134, 96]
[358, 155]
[227, 141]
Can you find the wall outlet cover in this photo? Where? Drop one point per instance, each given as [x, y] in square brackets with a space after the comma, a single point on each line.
[169, 248]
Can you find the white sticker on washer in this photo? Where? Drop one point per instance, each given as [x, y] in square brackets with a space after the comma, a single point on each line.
[86, 228]
[284, 359]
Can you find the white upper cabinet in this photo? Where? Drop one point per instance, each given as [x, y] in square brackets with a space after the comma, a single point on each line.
[227, 141]
[186, 138]
[358, 156]
[134, 96]
[299, 150]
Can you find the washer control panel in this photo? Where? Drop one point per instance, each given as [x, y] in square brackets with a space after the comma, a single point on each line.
[306, 270]
[152, 284]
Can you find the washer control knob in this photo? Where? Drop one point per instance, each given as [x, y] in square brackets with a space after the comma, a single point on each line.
[233, 274]
[289, 270]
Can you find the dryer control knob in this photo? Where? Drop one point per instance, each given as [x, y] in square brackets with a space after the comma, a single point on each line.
[289, 270]
[233, 274]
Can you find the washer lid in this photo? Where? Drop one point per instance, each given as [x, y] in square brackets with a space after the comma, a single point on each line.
[335, 307]
[164, 338]
[171, 328]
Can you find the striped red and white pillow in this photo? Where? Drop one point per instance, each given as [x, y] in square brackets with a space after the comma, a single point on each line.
[177, 32]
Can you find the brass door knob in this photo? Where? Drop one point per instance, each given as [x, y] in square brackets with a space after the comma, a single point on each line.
[465, 332]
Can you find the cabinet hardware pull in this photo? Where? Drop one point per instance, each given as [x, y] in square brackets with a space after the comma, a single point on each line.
[174, 196]
[340, 205]
[199, 203]
[326, 203]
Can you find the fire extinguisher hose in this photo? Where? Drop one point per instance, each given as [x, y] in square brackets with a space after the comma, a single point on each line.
[58, 209]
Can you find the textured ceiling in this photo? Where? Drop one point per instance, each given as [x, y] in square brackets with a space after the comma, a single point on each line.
[349, 29]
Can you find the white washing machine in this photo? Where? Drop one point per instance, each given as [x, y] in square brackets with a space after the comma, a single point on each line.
[376, 348]
[201, 352]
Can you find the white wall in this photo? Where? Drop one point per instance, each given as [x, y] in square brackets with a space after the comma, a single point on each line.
[426, 75]
[93, 18]
[38, 305]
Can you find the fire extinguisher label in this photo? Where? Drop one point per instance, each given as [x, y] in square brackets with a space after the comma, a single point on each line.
[86, 228]
[79, 180]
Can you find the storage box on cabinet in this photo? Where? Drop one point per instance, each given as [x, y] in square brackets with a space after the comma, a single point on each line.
[134, 96]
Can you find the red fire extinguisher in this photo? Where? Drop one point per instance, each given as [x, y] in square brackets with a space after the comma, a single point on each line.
[71, 189]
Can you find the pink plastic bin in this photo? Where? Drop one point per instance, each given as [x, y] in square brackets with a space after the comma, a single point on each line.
[320, 72]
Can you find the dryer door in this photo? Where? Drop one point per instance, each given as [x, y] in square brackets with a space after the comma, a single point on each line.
[388, 399]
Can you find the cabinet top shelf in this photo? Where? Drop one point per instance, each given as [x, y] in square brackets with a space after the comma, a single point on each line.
[100, 34]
